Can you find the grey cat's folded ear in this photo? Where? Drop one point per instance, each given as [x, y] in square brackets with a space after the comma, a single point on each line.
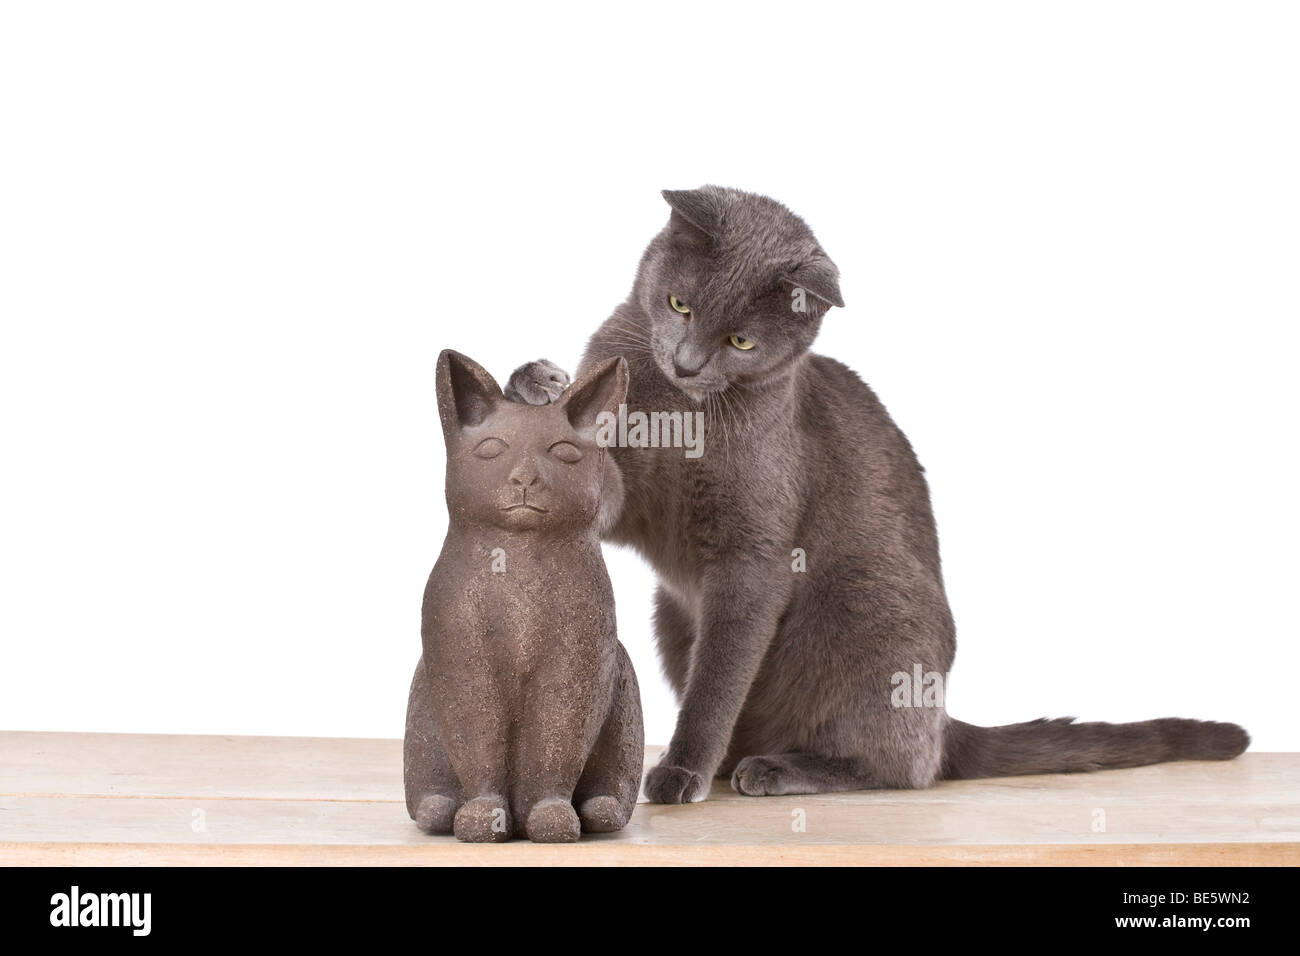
[602, 389]
[694, 208]
[467, 394]
[818, 277]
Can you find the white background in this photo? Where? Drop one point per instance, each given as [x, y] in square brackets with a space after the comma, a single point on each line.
[234, 237]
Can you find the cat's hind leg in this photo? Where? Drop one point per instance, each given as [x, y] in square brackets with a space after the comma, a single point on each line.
[607, 790]
[903, 753]
[674, 631]
[433, 794]
[776, 774]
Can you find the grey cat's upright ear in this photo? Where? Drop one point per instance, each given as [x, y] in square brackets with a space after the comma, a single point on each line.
[602, 389]
[467, 394]
[818, 277]
[693, 207]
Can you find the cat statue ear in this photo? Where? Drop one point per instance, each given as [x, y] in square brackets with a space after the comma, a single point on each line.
[603, 389]
[467, 394]
[693, 207]
[818, 277]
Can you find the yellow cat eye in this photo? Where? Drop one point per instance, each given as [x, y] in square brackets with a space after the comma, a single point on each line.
[743, 344]
[678, 305]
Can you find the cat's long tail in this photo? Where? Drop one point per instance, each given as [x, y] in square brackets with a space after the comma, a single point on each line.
[1063, 746]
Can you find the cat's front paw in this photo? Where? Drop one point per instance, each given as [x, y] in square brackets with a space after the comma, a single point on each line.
[537, 383]
[671, 784]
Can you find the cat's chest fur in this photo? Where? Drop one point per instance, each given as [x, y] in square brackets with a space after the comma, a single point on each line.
[738, 500]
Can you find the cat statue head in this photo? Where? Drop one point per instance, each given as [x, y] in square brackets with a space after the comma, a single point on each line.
[528, 468]
[735, 287]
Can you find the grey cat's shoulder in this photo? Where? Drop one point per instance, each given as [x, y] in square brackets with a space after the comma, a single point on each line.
[835, 399]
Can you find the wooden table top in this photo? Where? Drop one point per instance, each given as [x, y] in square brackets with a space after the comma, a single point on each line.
[114, 799]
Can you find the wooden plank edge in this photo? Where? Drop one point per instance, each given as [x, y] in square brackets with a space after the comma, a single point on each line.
[614, 853]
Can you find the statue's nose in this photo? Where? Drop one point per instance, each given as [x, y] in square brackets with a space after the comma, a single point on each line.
[525, 475]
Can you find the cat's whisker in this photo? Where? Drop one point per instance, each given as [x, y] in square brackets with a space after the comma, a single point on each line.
[624, 321]
[630, 349]
[731, 418]
[709, 419]
[618, 340]
[716, 401]
[629, 329]
[625, 331]
[733, 406]
[627, 340]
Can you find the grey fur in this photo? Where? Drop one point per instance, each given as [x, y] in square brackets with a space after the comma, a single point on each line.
[537, 383]
[785, 678]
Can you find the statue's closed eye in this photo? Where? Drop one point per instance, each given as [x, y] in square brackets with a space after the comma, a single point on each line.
[567, 452]
[490, 448]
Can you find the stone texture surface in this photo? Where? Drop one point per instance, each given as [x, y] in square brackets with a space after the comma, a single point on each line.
[524, 717]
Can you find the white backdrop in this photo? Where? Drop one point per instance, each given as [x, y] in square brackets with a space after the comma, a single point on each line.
[233, 238]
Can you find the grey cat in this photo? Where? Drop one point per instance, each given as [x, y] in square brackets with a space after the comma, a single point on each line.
[787, 679]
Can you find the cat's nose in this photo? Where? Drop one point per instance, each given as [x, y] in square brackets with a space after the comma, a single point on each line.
[687, 362]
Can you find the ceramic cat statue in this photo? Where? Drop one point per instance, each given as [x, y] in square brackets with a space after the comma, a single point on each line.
[524, 717]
